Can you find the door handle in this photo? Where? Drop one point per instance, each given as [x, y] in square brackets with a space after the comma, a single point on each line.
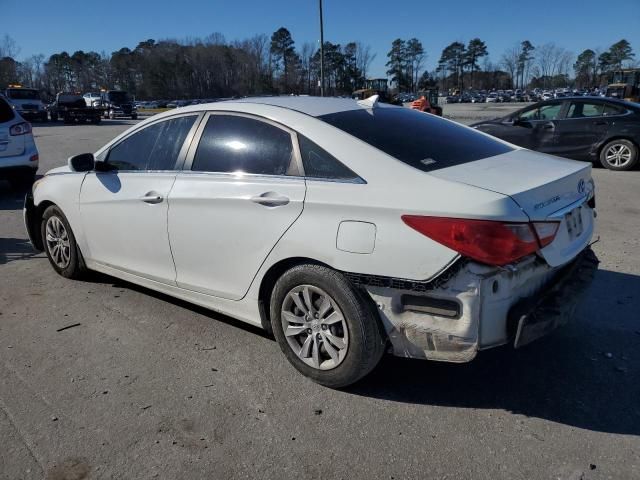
[270, 199]
[548, 126]
[152, 197]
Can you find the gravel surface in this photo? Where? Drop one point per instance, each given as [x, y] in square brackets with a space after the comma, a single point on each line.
[150, 387]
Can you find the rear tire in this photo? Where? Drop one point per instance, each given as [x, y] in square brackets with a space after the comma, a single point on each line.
[60, 244]
[333, 334]
[22, 180]
[619, 155]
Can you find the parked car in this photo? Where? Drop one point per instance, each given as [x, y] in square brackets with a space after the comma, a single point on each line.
[118, 103]
[581, 128]
[346, 228]
[27, 102]
[92, 99]
[492, 98]
[18, 152]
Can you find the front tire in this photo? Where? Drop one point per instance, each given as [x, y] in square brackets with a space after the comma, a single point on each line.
[60, 244]
[619, 155]
[327, 329]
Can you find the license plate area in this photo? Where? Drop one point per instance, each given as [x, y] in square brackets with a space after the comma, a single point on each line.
[573, 220]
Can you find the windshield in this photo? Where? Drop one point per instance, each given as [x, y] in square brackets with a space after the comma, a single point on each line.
[23, 94]
[421, 140]
[118, 97]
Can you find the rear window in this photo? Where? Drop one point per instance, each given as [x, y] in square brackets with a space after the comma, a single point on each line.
[421, 140]
[6, 112]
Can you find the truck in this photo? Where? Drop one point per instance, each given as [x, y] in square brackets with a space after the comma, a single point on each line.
[624, 84]
[71, 107]
[27, 102]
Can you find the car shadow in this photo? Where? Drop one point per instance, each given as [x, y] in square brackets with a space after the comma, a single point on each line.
[585, 375]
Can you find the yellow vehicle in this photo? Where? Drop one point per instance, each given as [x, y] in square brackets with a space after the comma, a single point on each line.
[625, 84]
[374, 86]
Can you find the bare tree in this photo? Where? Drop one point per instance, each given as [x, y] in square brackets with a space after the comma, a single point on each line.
[364, 57]
[306, 55]
[8, 47]
[552, 60]
[510, 60]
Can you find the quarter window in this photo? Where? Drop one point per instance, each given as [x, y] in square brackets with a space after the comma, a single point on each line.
[318, 163]
[232, 143]
[155, 147]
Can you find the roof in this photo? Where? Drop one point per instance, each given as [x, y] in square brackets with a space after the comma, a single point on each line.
[314, 106]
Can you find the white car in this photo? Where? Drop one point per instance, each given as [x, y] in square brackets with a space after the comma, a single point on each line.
[492, 98]
[92, 99]
[18, 152]
[346, 228]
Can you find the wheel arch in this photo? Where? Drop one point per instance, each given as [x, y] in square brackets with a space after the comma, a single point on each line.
[617, 137]
[269, 280]
[36, 220]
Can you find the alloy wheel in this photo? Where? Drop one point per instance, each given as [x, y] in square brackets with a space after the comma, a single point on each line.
[58, 243]
[314, 327]
[618, 155]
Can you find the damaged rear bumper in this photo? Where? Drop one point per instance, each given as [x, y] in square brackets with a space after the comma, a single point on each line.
[481, 307]
[535, 317]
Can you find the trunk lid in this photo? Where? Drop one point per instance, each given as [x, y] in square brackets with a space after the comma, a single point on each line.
[546, 188]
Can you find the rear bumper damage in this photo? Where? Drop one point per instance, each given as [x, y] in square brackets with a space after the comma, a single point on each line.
[479, 307]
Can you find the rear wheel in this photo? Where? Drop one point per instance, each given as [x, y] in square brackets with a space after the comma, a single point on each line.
[60, 244]
[619, 154]
[22, 180]
[326, 328]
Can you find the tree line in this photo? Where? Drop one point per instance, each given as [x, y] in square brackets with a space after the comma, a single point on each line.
[212, 67]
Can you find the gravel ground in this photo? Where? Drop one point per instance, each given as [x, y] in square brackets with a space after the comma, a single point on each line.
[150, 387]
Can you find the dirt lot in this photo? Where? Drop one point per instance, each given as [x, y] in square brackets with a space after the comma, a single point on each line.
[150, 387]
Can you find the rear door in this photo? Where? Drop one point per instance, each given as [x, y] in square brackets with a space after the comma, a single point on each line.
[239, 193]
[124, 210]
[583, 127]
[10, 145]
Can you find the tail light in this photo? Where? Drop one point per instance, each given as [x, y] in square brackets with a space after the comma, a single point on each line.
[486, 241]
[21, 128]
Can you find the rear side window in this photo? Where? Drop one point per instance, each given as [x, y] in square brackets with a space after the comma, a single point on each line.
[421, 140]
[584, 110]
[6, 112]
[155, 147]
[232, 143]
[318, 163]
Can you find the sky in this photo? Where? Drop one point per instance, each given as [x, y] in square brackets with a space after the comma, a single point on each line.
[47, 27]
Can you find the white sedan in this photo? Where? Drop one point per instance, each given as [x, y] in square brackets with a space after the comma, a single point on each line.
[345, 228]
[18, 152]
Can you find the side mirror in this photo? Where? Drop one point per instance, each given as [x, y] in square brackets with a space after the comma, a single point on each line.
[82, 163]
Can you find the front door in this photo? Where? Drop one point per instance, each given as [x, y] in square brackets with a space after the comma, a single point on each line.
[535, 128]
[124, 210]
[240, 195]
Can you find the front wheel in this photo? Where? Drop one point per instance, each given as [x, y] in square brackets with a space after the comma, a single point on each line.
[619, 154]
[328, 330]
[60, 244]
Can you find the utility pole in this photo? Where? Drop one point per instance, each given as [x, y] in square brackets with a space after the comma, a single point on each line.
[321, 52]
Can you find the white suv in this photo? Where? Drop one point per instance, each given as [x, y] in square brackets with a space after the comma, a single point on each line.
[18, 152]
[92, 99]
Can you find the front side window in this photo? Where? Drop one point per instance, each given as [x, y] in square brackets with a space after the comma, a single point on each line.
[236, 144]
[545, 112]
[155, 147]
[421, 140]
[318, 163]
